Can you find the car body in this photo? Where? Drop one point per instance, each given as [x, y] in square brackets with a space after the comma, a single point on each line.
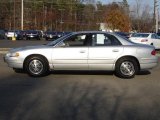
[32, 34]
[146, 38]
[50, 35]
[87, 50]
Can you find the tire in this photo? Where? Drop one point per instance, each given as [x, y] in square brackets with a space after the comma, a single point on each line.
[126, 68]
[36, 66]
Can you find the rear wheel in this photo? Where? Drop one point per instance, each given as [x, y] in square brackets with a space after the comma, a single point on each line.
[36, 66]
[126, 68]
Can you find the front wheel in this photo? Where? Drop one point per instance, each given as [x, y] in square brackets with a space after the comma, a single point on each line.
[126, 68]
[36, 66]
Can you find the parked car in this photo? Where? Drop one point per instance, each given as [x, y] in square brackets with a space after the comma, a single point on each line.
[23, 34]
[84, 51]
[146, 38]
[14, 33]
[131, 34]
[2, 34]
[41, 33]
[60, 34]
[158, 35]
[50, 35]
[32, 34]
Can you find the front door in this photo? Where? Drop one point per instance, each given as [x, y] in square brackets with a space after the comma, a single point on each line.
[71, 54]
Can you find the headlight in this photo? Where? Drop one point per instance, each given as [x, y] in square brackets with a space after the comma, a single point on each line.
[13, 54]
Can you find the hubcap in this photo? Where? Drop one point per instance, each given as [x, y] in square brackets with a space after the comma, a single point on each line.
[127, 68]
[35, 66]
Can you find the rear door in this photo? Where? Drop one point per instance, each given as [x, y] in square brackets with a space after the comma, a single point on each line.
[156, 41]
[104, 51]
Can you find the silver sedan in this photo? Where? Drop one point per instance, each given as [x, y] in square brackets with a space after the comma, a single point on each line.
[90, 50]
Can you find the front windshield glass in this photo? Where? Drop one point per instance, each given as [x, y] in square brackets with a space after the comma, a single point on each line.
[58, 40]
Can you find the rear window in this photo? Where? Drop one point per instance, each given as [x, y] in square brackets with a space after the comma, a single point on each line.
[141, 35]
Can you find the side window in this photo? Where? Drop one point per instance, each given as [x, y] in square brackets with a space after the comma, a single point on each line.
[104, 40]
[100, 40]
[77, 40]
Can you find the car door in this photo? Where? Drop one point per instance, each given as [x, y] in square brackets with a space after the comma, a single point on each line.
[71, 54]
[104, 51]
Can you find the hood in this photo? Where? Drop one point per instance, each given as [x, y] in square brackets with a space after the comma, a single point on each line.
[29, 48]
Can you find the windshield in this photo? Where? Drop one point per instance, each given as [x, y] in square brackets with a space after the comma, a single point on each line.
[58, 40]
[141, 35]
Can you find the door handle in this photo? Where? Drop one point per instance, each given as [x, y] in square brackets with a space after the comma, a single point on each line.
[115, 50]
[82, 51]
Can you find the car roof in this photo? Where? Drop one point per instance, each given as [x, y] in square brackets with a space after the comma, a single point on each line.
[90, 32]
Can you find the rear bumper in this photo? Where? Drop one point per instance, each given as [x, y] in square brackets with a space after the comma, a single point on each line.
[148, 66]
[149, 63]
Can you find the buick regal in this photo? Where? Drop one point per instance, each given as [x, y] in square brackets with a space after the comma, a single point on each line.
[87, 50]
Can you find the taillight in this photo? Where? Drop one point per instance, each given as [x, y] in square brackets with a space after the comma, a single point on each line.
[144, 40]
[153, 52]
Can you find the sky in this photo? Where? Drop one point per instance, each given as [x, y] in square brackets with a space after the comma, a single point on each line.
[129, 1]
[132, 2]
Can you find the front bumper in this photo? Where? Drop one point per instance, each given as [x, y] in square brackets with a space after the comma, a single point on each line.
[13, 62]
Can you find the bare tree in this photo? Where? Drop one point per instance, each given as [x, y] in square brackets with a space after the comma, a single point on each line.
[141, 17]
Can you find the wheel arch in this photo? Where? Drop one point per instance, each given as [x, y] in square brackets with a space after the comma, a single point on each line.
[129, 57]
[32, 55]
